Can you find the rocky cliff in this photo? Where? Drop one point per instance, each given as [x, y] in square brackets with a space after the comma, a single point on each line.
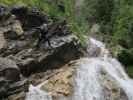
[32, 48]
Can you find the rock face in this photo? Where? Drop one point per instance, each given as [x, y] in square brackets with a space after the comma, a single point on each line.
[31, 43]
[10, 77]
[60, 83]
[2, 41]
[10, 69]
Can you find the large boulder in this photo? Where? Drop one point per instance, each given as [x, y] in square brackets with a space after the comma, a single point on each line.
[62, 50]
[45, 47]
[9, 69]
[9, 78]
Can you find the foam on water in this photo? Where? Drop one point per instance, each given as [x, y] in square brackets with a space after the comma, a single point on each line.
[35, 93]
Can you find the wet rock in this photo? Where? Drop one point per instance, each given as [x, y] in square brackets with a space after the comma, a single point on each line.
[111, 89]
[34, 60]
[9, 69]
[60, 83]
[17, 87]
[18, 96]
[3, 87]
[2, 41]
[9, 89]
[9, 77]
[13, 47]
[96, 48]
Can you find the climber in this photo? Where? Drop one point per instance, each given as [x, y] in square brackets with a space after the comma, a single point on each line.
[43, 30]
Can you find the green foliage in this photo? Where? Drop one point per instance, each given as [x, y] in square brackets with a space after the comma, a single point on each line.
[126, 56]
[123, 23]
[104, 10]
[80, 31]
[98, 10]
[115, 18]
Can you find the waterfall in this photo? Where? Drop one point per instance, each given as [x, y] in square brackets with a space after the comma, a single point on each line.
[87, 84]
[92, 75]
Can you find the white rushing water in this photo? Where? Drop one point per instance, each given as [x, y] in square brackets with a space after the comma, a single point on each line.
[87, 85]
[35, 93]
